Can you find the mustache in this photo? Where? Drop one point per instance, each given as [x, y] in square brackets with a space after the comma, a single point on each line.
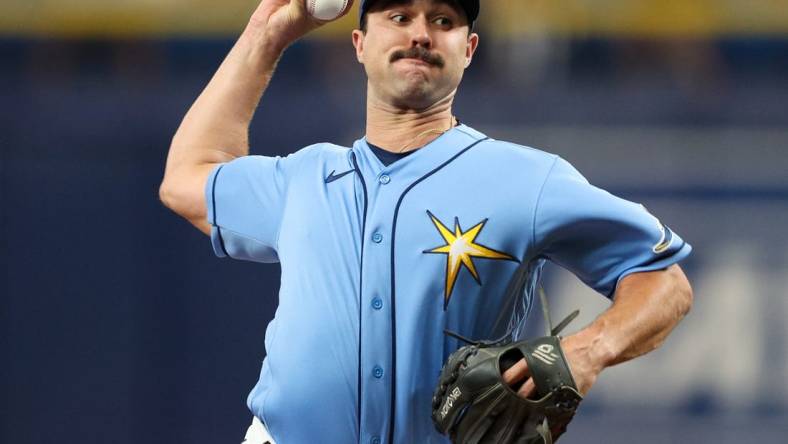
[418, 52]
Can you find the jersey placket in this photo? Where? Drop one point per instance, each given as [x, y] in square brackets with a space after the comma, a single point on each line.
[386, 186]
[375, 360]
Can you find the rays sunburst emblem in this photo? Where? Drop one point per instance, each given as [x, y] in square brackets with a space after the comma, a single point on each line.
[460, 249]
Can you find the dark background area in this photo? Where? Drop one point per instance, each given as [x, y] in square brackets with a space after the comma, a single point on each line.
[119, 325]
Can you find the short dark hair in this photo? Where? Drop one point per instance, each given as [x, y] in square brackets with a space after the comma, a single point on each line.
[383, 4]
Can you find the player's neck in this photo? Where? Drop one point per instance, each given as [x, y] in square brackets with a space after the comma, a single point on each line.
[398, 130]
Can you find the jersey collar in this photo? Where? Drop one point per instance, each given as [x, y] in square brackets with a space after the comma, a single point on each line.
[424, 160]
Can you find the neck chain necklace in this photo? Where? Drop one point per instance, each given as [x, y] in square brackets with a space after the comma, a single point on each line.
[452, 124]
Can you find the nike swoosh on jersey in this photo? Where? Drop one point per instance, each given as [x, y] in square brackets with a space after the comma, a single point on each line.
[332, 177]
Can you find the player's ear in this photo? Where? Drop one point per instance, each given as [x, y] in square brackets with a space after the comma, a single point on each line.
[358, 43]
[470, 49]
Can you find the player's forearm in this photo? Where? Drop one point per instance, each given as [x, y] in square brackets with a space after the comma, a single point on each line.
[646, 308]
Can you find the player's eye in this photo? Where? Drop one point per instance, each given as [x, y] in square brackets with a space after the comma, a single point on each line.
[398, 18]
[442, 21]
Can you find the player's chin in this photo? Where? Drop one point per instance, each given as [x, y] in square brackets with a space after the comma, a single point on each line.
[415, 82]
[415, 94]
[414, 74]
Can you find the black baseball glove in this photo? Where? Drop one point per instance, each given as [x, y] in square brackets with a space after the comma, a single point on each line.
[473, 405]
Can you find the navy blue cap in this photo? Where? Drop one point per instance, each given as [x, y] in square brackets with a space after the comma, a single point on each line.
[471, 8]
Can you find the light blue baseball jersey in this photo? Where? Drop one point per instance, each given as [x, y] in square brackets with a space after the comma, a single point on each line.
[378, 260]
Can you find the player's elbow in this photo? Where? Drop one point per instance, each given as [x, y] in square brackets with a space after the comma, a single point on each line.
[688, 298]
[172, 199]
[677, 303]
[168, 196]
[183, 196]
[682, 291]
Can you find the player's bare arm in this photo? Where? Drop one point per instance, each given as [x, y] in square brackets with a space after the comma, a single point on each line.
[215, 129]
[646, 307]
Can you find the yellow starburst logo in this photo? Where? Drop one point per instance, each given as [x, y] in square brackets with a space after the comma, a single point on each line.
[460, 249]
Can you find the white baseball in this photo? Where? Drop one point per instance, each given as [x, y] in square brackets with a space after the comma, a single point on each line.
[326, 9]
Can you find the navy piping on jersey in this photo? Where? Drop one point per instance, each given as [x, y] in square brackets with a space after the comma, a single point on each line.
[393, 287]
[215, 223]
[360, 287]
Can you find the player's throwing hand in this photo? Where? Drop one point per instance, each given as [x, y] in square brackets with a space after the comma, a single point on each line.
[285, 21]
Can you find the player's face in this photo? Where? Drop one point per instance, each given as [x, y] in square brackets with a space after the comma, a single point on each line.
[415, 52]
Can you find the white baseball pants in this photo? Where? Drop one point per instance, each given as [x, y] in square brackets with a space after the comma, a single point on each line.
[257, 434]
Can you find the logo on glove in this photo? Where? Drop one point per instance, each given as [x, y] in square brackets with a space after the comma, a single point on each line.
[450, 401]
[545, 354]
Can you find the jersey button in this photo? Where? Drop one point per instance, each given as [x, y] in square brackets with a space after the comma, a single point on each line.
[377, 303]
[374, 440]
[377, 238]
[384, 179]
[377, 372]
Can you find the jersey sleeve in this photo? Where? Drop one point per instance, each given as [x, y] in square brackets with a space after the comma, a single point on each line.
[245, 201]
[597, 236]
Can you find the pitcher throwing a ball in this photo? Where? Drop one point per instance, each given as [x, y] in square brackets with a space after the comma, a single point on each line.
[416, 228]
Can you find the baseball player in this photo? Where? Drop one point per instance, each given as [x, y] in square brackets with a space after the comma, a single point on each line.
[415, 228]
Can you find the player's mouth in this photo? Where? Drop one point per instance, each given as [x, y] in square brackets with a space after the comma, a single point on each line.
[418, 54]
[415, 61]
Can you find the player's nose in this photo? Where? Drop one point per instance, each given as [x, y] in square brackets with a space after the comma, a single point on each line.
[420, 32]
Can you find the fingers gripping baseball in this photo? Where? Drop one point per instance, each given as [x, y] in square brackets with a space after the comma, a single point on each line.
[288, 20]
